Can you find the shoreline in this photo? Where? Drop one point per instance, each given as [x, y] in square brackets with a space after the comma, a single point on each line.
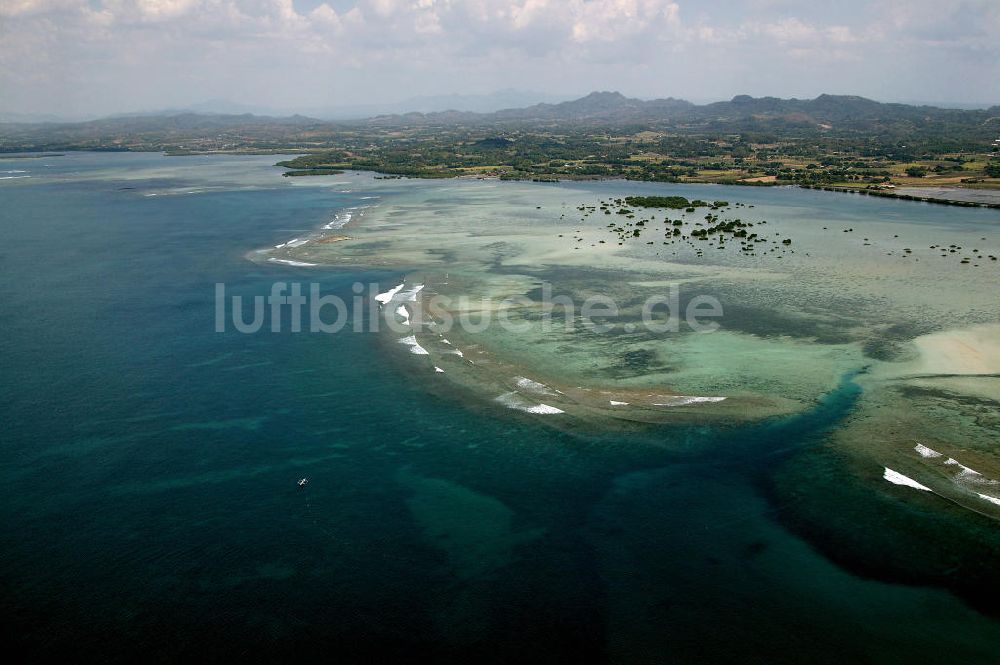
[909, 197]
[540, 179]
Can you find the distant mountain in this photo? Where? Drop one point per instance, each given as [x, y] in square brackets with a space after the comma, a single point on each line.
[30, 117]
[189, 121]
[212, 107]
[597, 105]
[226, 107]
[741, 113]
[179, 131]
[845, 116]
[484, 103]
[181, 120]
[595, 108]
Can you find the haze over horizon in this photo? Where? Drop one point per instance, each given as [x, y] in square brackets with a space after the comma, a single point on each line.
[102, 57]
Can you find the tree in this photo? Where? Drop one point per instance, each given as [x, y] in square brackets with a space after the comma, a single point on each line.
[916, 172]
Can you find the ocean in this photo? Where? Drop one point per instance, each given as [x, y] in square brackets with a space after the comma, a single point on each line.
[151, 505]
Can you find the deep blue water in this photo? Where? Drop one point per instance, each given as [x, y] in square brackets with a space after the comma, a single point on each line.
[149, 464]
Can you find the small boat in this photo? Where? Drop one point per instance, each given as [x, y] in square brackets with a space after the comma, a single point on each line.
[303, 482]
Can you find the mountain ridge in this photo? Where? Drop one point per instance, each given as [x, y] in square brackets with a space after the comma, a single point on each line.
[614, 106]
[595, 106]
[857, 120]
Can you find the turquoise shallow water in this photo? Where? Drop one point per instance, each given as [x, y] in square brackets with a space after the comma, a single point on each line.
[148, 481]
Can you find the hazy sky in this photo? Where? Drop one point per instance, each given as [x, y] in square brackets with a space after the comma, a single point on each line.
[100, 56]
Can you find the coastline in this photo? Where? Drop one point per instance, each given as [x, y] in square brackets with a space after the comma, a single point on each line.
[902, 195]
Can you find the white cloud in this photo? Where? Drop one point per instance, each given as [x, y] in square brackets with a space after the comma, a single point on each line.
[161, 9]
[163, 52]
[28, 7]
[787, 30]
